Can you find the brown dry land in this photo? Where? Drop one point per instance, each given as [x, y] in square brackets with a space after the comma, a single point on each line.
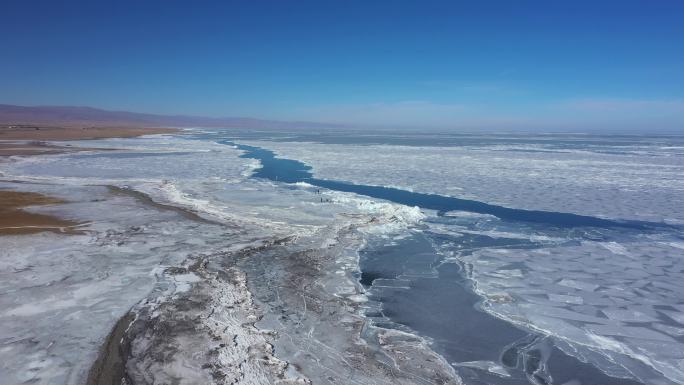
[29, 148]
[40, 132]
[25, 140]
[14, 220]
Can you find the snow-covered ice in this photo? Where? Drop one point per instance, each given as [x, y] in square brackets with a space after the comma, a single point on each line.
[151, 206]
[611, 295]
[645, 184]
[148, 207]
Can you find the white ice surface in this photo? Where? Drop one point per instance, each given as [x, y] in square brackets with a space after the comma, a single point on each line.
[613, 307]
[60, 295]
[204, 176]
[616, 300]
[641, 183]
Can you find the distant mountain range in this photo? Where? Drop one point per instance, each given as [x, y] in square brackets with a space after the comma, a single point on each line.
[88, 116]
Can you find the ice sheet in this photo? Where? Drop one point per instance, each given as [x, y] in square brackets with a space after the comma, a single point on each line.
[645, 183]
[609, 301]
[606, 293]
[149, 204]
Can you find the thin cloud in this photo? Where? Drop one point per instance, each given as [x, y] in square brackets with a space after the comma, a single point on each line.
[624, 105]
[580, 115]
[409, 112]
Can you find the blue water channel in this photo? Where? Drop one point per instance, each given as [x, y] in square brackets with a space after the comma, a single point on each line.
[292, 171]
[440, 303]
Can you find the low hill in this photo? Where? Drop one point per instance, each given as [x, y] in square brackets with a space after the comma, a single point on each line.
[95, 117]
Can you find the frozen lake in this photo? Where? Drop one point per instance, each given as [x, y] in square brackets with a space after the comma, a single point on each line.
[519, 259]
[589, 281]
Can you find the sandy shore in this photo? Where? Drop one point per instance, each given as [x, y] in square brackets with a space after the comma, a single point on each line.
[41, 132]
[12, 148]
[29, 139]
[14, 220]
[26, 140]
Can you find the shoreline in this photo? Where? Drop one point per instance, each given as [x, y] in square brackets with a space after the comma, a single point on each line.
[109, 368]
[377, 354]
[228, 326]
[39, 132]
[253, 311]
[32, 140]
[14, 220]
[28, 140]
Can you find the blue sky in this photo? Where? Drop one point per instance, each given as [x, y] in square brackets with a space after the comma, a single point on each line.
[576, 65]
